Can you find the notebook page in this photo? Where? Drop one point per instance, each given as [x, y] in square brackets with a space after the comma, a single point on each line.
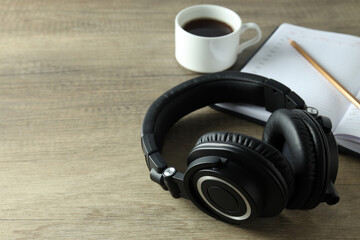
[349, 127]
[339, 54]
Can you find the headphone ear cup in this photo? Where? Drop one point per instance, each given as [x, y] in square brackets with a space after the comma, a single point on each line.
[296, 135]
[253, 157]
[214, 190]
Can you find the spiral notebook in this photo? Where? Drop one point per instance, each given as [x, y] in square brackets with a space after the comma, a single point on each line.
[338, 53]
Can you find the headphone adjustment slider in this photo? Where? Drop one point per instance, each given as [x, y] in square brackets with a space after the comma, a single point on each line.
[168, 175]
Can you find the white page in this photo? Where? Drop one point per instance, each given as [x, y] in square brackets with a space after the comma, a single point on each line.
[339, 54]
[349, 126]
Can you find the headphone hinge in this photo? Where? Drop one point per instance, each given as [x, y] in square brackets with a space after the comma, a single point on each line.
[331, 196]
[158, 178]
[171, 180]
[168, 175]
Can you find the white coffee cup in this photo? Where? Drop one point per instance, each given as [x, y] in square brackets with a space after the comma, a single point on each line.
[210, 54]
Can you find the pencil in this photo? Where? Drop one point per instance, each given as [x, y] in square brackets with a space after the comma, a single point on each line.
[327, 75]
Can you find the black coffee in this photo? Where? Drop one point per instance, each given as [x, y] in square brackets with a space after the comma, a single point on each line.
[206, 27]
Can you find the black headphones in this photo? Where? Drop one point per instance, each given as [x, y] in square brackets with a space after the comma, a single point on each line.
[234, 177]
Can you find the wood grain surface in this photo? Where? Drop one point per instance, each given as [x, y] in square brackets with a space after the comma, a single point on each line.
[76, 78]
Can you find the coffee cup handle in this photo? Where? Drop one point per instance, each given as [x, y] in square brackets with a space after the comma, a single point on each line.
[252, 41]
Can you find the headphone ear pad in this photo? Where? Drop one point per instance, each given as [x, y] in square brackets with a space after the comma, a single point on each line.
[294, 134]
[272, 155]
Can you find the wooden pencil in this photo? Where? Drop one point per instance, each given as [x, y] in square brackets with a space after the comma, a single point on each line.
[327, 75]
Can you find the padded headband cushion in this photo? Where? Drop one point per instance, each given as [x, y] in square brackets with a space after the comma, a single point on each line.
[294, 129]
[210, 89]
[198, 93]
[272, 155]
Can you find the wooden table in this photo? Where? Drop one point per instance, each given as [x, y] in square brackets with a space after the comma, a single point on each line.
[76, 78]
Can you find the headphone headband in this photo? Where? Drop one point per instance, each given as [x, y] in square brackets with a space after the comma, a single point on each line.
[207, 90]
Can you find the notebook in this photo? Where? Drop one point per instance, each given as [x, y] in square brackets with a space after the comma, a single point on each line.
[338, 53]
